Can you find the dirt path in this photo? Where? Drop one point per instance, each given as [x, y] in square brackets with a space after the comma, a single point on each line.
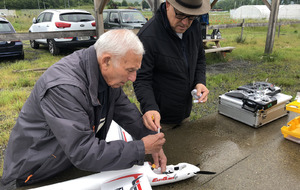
[211, 106]
[226, 67]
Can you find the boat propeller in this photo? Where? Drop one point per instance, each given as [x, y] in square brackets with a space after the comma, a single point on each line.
[205, 172]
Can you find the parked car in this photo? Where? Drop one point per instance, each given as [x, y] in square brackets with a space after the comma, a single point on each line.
[123, 18]
[2, 14]
[10, 48]
[63, 20]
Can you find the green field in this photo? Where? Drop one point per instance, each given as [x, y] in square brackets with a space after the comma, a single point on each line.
[248, 63]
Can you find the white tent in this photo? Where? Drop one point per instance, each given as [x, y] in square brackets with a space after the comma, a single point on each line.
[289, 12]
[262, 12]
[250, 11]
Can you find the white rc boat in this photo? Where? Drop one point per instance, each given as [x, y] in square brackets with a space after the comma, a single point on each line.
[135, 178]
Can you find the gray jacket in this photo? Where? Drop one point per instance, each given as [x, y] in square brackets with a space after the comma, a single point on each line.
[55, 128]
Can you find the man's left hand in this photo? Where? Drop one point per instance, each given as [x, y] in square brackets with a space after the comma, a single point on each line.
[201, 89]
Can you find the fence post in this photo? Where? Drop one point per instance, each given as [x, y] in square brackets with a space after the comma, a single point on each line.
[272, 26]
[98, 8]
[242, 31]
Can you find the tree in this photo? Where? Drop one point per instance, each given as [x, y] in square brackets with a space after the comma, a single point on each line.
[136, 4]
[145, 5]
[112, 5]
[124, 3]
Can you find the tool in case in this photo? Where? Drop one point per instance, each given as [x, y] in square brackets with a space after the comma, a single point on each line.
[256, 104]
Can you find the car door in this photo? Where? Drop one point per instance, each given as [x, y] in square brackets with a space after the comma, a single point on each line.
[43, 22]
[114, 20]
[105, 19]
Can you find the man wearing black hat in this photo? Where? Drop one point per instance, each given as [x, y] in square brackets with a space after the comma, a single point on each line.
[173, 65]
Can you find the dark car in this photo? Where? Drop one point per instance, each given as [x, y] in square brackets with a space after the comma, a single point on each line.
[123, 18]
[10, 48]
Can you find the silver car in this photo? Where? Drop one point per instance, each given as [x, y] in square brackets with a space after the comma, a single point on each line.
[123, 18]
[63, 20]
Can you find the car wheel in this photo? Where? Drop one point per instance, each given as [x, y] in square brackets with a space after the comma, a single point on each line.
[21, 57]
[53, 49]
[34, 45]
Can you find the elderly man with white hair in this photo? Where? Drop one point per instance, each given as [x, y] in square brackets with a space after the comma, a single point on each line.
[65, 120]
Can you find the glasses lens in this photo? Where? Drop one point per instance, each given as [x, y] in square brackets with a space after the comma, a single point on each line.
[191, 17]
[183, 16]
[179, 16]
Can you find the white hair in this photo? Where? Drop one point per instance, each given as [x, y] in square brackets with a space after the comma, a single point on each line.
[118, 42]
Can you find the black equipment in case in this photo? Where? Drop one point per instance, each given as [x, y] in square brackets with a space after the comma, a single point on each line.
[255, 104]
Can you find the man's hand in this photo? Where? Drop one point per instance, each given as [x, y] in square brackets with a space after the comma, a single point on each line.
[201, 89]
[153, 143]
[160, 160]
[151, 120]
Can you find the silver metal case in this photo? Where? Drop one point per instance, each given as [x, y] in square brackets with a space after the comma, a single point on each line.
[233, 108]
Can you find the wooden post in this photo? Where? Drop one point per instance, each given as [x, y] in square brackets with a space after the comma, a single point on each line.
[279, 30]
[272, 27]
[243, 25]
[267, 4]
[213, 3]
[154, 5]
[99, 6]
[99, 23]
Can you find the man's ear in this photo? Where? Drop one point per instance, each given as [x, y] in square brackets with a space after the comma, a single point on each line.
[105, 61]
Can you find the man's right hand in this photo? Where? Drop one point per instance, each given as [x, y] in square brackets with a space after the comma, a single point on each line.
[153, 143]
[151, 120]
[160, 160]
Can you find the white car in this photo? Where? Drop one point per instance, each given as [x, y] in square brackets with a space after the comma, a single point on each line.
[63, 20]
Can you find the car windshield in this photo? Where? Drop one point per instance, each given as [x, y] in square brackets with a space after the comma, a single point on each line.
[76, 17]
[132, 17]
[5, 27]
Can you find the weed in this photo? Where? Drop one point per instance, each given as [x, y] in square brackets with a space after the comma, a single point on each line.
[268, 58]
[239, 39]
[23, 82]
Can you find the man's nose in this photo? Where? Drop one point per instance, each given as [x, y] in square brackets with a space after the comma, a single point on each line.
[132, 76]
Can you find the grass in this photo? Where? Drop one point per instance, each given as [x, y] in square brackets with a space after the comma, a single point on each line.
[250, 64]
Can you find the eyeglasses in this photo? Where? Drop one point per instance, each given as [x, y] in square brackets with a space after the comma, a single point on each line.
[183, 16]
